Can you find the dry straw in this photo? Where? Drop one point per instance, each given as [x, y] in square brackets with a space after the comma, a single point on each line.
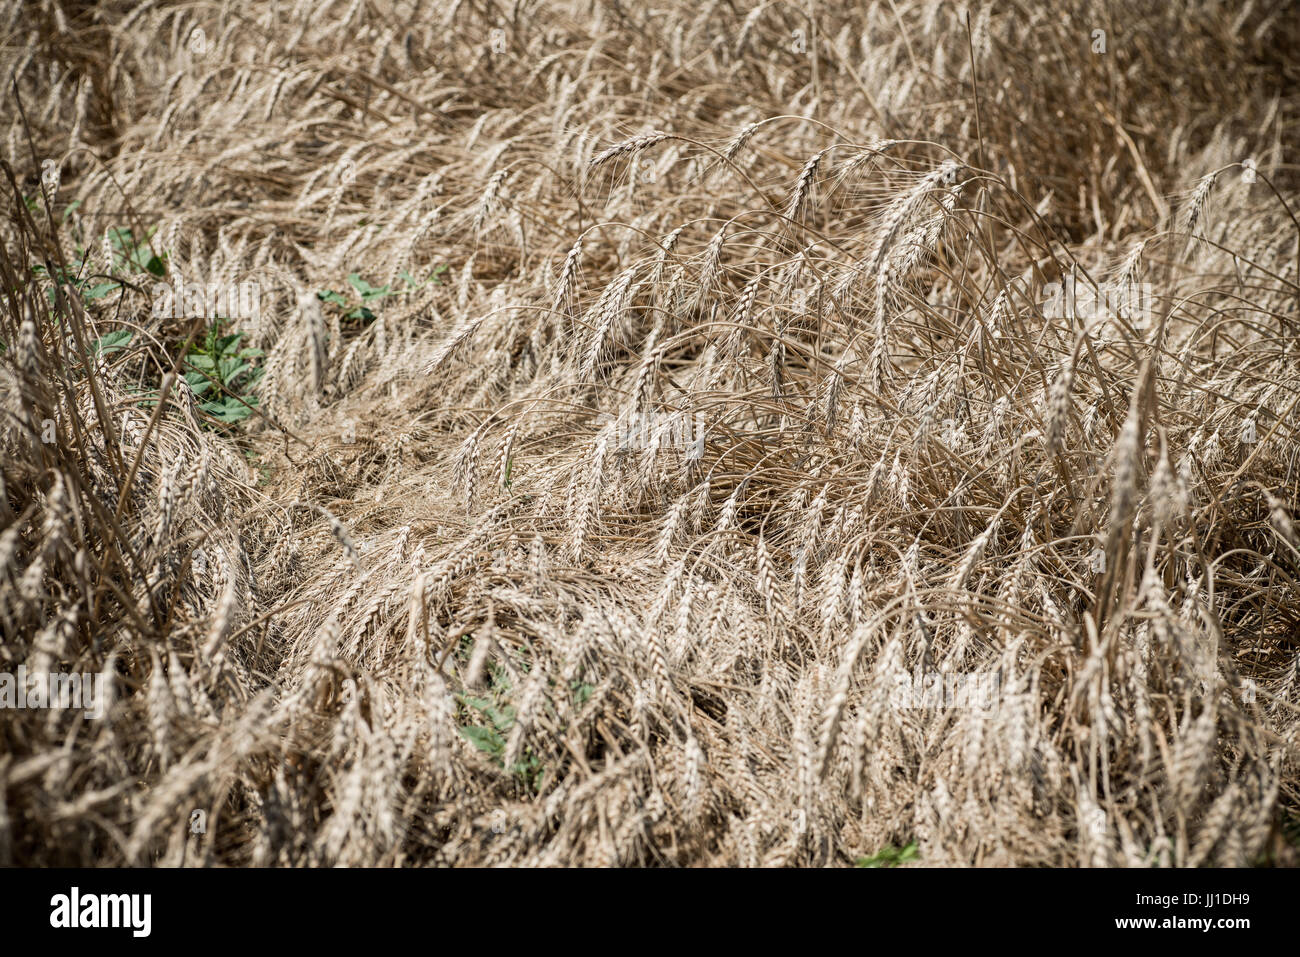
[429, 605]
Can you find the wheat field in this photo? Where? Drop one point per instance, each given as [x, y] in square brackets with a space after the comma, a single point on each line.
[581, 433]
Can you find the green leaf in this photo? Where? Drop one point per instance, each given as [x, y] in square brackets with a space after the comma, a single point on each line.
[99, 290]
[890, 856]
[504, 719]
[359, 284]
[230, 410]
[228, 343]
[485, 739]
[111, 342]
[198, 382]
[229, 369]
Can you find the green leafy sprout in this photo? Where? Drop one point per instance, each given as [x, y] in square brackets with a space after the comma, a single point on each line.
[890, 856]
[359, 308]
